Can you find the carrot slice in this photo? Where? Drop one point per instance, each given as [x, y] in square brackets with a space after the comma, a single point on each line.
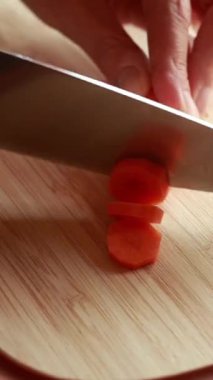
[148, 214]
[132, 243]
[139, 181]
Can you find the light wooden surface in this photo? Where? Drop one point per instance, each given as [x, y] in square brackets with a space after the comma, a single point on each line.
[66, 308]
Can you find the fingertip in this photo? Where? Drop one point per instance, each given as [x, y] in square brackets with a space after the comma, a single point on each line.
[134, 79]
[190, 106]
[203, 100]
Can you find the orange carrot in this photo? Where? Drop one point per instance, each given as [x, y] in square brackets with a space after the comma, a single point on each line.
[148, 214]
[133, 243]
[139, 181]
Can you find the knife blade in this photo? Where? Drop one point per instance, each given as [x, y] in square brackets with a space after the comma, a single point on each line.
[63, 116]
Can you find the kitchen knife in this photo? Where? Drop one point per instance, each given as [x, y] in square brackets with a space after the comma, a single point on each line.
[66, 117]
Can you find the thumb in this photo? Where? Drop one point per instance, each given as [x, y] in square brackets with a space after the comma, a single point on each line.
[93, 25]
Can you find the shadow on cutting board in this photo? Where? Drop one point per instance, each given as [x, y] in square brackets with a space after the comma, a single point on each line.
[41, 240]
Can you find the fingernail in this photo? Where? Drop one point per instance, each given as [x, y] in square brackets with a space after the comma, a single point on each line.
[202, 99]
[132, 79]
[189, 105]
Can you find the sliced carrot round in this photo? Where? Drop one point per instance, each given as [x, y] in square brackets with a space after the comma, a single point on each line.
[132, 243]
[148, 214]
[139, 181]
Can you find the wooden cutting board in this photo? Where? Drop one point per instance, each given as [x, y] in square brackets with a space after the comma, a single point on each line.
[67, 309]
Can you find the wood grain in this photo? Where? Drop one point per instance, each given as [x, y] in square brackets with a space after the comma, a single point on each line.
[67, 309]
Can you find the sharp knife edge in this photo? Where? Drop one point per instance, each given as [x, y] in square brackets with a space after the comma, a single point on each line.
[95, 122]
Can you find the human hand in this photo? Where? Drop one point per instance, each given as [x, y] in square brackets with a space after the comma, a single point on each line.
[185, 64]
[201, 56]
[23, 33]
[179, 76]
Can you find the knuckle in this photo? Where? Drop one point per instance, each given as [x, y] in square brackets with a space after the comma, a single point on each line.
[110, 53]
[174, 64]
[178, 67]
[180, 10]
[174, 69]
[113, 48]
[177, 10]
[113, 42]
